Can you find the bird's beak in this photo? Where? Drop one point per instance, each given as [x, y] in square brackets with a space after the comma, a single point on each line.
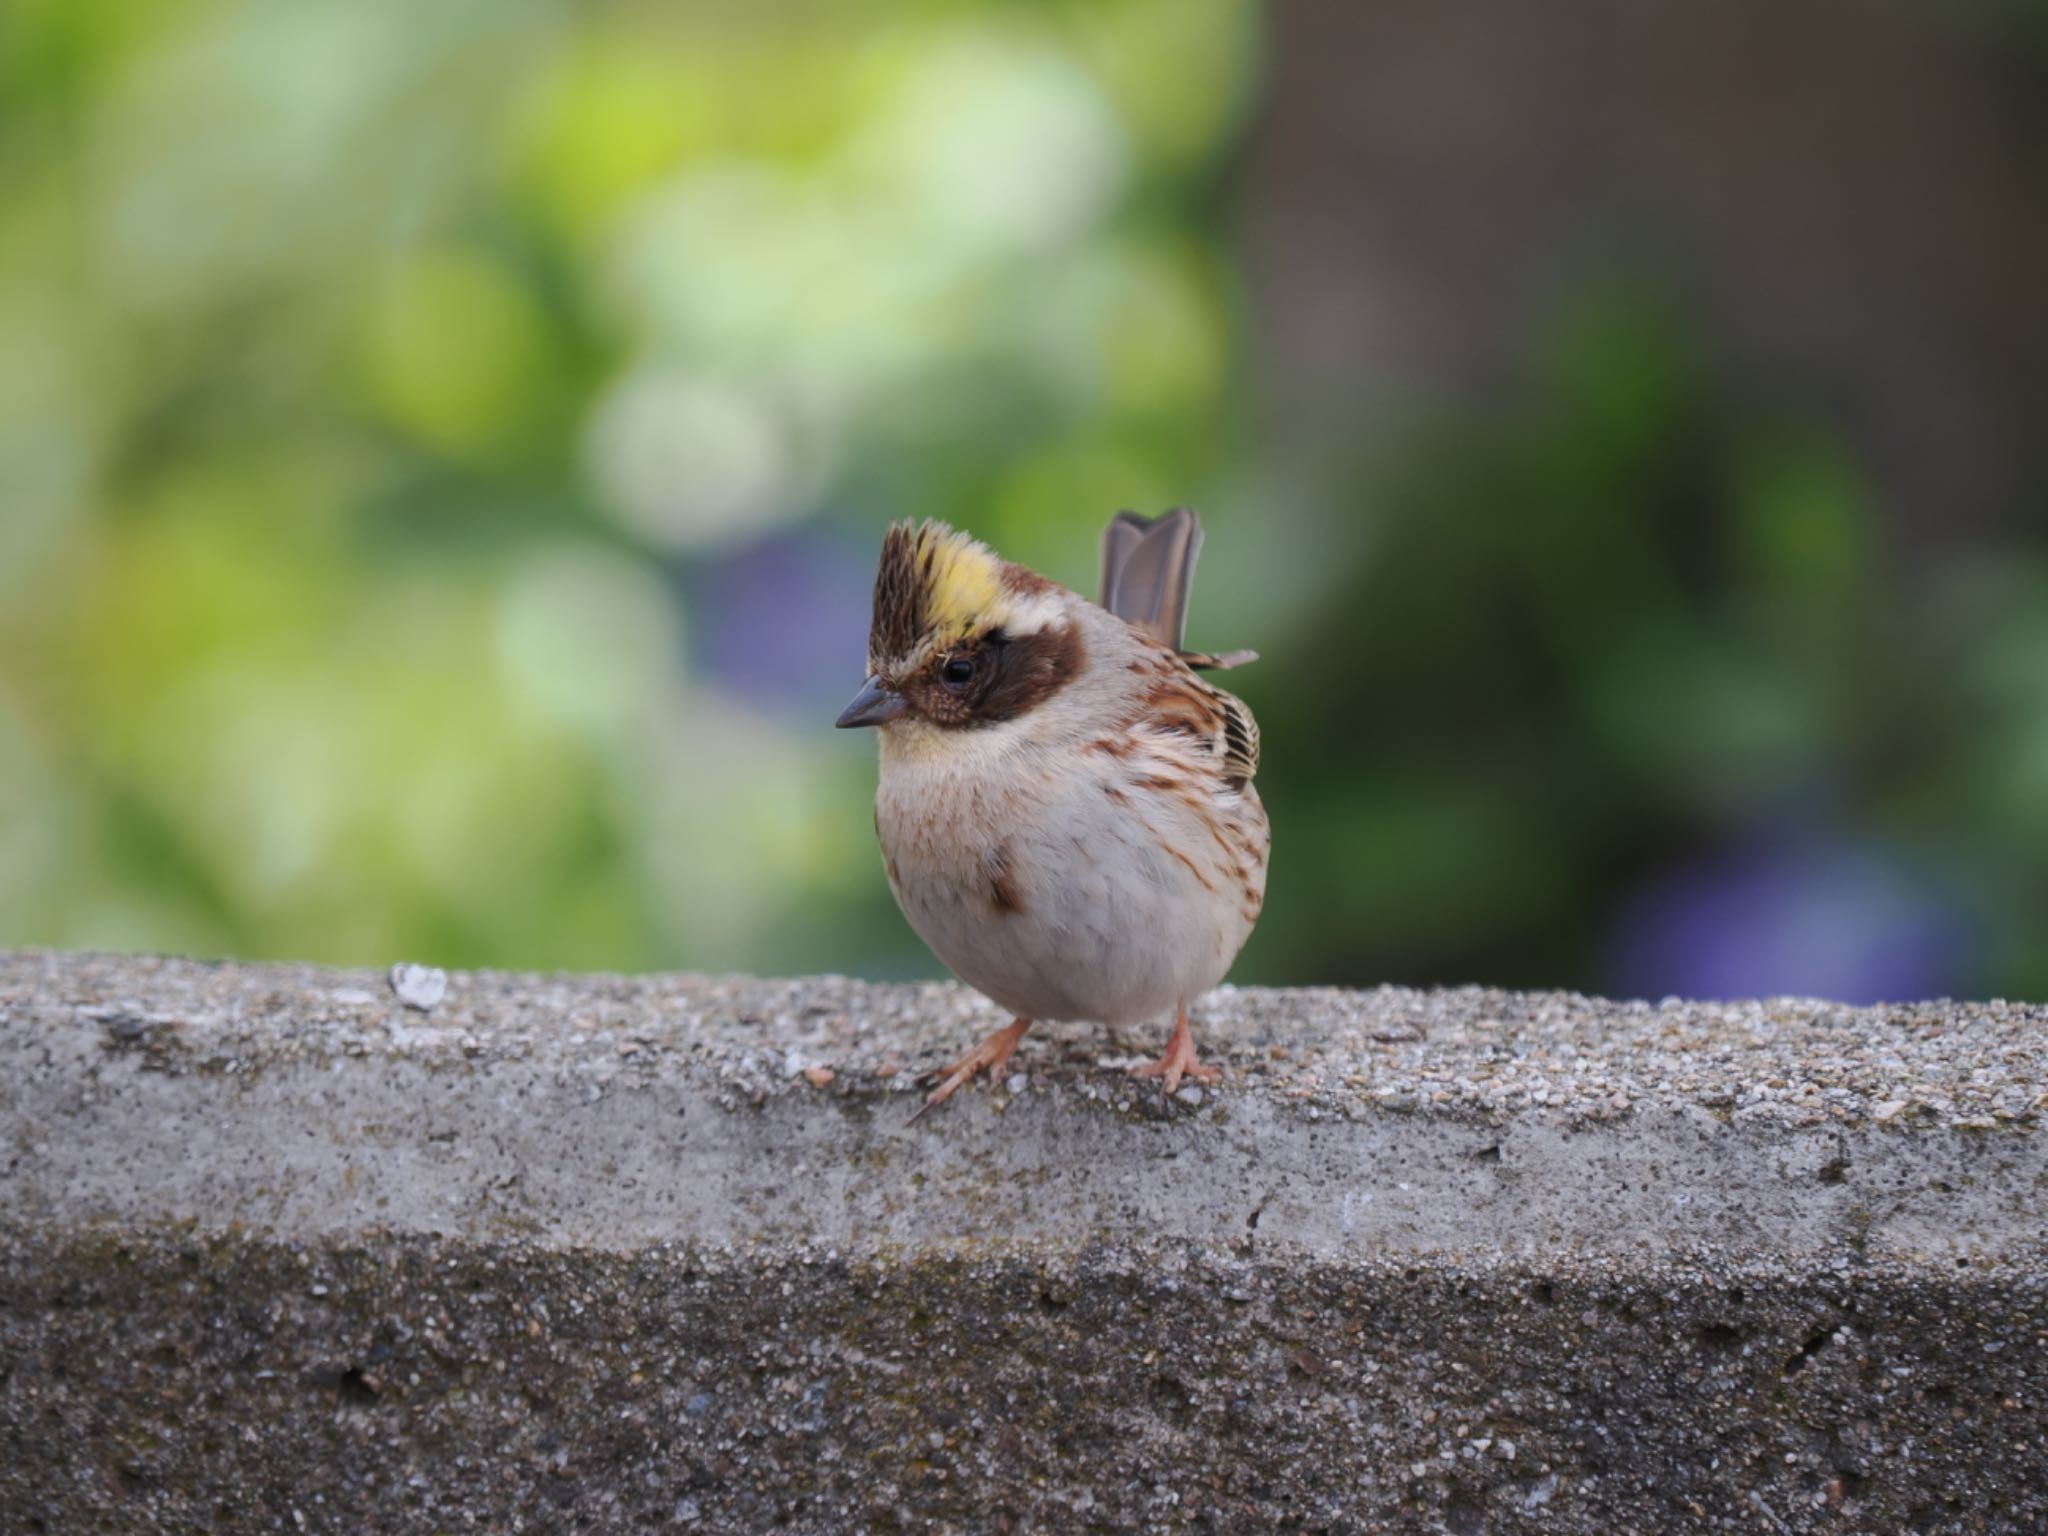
[875, 703]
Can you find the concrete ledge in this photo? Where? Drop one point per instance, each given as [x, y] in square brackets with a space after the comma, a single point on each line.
[278, 1252]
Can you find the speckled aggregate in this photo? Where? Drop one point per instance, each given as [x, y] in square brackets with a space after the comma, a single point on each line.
[280, 1252]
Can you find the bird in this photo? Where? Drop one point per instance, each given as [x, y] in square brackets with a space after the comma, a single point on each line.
[1065, 804]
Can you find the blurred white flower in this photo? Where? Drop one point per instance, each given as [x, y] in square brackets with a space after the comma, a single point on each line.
[689, 463]
[996, 146]
[590, 637]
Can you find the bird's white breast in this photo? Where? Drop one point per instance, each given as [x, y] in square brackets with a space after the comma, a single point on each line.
[1043, 876]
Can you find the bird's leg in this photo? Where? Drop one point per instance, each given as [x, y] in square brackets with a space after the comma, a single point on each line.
[993, 1054]
[1180, 1060]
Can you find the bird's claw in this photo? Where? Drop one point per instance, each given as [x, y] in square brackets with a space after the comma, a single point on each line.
[993, 1054]
[1179, 1061]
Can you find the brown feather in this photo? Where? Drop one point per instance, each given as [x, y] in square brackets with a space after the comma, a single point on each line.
[1240, 741]
[1148, 569]
[899, 617]
[1004, 894]
[1216, 722]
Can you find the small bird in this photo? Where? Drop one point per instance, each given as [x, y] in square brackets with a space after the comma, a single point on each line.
[1065, 805]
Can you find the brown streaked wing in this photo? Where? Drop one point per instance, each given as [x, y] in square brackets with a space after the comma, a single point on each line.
[1240, 741]
[1195, 710]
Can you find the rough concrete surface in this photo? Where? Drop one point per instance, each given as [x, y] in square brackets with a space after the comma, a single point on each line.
[280, 1252]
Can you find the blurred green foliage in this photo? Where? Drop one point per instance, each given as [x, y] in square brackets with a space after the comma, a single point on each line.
[442, 449]
[382, 382]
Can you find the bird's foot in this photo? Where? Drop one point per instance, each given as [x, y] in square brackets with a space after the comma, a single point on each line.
[1179, 1061]
[992, 1055]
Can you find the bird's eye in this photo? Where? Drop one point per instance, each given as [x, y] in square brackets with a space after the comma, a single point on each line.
[958, 672]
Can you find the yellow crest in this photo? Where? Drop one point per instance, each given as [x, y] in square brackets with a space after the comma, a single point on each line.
[933, 583]
[963, 582]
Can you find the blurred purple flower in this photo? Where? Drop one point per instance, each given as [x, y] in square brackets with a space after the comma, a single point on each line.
[1812, 918]
[783, 623]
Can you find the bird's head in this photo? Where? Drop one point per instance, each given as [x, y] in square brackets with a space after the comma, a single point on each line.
[962, 638]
